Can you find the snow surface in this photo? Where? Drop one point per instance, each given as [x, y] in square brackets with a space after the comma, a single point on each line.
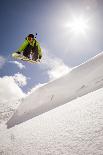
[81, 80]
[75, 128]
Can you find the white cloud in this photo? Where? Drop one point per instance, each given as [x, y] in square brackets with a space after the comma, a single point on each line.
[20, 65]
[55, 66]
[20, 79]
[2, 61]
[9, 89]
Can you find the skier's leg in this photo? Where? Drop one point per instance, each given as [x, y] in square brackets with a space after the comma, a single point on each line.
[35, 53]
[27, 51]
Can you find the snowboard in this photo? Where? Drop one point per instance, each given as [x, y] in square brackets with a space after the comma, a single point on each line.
[23, 58]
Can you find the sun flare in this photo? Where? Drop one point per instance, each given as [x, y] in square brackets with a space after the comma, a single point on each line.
[78, 25]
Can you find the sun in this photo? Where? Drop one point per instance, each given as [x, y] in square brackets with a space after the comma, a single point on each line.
[78, 25]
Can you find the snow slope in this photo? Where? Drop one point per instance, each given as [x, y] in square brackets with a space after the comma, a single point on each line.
[75, 128]
[81, 80]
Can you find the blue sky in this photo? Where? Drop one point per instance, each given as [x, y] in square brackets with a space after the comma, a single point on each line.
[61, 47]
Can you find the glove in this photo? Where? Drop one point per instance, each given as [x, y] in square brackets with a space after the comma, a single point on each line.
[39, 57]
[18, 52]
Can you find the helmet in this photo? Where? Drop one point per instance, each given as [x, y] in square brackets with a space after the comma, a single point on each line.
[31, 36]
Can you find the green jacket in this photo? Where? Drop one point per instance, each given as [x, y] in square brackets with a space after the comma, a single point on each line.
[26, 42]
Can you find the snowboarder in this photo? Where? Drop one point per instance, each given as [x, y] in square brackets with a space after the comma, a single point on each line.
[30, 48]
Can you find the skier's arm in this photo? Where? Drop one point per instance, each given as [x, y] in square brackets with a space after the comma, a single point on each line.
[39, 51]
[23, 46]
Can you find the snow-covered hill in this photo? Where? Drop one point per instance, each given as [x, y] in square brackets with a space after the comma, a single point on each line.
[81, 80]
[75, 128]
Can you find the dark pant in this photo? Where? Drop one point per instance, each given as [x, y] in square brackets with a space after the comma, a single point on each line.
[29, 49]
[35, 53]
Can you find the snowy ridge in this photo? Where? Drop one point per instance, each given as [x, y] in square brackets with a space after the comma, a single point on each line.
[81, 80]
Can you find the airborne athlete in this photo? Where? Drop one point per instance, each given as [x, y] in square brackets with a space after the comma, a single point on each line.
[29, 51]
